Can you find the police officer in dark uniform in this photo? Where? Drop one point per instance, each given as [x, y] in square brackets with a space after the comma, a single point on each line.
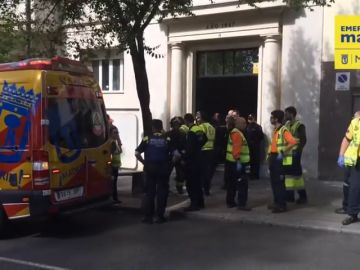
[195, 140]
[157, 152]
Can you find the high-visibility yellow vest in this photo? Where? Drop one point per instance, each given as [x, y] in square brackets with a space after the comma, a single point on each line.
[184, 129]
[352, 152]
[244, 151]
[281, 146]
[196, 129]
[293, 130]
[209, 131]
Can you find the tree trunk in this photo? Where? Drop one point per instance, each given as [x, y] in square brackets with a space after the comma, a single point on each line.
[142, 85]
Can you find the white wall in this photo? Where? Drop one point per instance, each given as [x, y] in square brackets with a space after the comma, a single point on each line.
[301, 74]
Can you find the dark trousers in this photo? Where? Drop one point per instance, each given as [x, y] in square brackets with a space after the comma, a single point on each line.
[206, 167]
[237, 184]
[115, 174]
[277, 180]
[254, 162]
[296, 170]
[156, 185]
[354, 192]
[180, 174]
[346, 188]
[194, 186]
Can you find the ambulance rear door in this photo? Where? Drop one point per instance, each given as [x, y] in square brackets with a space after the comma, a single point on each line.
[74, 141]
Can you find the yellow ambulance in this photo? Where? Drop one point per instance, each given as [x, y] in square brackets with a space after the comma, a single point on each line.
[54, 142]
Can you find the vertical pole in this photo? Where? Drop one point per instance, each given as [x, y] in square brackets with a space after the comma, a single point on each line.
[28, 28]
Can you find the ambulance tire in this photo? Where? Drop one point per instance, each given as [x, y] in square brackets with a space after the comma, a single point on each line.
[4, 222]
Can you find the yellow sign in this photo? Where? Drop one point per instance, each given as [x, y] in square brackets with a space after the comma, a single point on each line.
[255, 68]
[347, 42]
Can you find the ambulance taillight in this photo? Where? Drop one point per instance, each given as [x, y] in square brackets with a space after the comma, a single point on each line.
[40, 169]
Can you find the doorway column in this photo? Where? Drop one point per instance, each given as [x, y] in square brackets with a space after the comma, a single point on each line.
[177, 75]
[270, 91]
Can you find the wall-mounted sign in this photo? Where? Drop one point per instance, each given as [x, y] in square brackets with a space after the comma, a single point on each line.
[217, 25]
[255, 68]
[347, 42]
[342, 82]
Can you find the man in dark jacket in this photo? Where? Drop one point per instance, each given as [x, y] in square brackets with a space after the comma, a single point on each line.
[195, 140]
[157, 151]
[255, 136]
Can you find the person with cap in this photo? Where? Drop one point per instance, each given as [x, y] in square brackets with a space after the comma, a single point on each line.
[207, 151]
[280, 159]
[116, 151]
[237, 164]
[255, 137]
[294, 179]
[349, 157]
[157, 151]
[195, 140]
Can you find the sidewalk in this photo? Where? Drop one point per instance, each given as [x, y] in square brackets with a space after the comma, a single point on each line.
[324, 198]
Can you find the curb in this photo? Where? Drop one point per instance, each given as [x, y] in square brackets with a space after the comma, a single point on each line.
[269, 220]
[229, 217]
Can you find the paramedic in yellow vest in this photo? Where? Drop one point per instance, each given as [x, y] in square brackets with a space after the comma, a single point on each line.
[207, 151]
[346, 183]
[236, 164]
[280, 159]
[349, 157]
[116, 151]
[294, 180]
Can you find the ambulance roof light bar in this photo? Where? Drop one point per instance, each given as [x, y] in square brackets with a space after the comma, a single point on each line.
[56, 63]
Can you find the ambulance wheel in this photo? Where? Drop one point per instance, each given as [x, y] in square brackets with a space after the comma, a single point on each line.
[3, 223]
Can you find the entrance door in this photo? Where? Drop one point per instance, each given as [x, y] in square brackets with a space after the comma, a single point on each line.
[226, 80]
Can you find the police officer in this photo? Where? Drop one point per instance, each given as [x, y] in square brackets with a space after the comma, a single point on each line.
[195, 140]
[349, 157]
[237, 164]
[295, 180]
[280, 158]
[207, 151]
[157, 152]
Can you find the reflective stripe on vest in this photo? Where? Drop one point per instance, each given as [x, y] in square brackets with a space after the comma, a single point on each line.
[293, 130]
[352, 152]
[209, 130]
[294, 182]
[244, 152]
[281, 145]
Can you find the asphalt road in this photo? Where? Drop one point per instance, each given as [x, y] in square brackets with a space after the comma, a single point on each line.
[114, 239]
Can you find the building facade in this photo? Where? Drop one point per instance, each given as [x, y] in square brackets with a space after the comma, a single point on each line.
[254, 60]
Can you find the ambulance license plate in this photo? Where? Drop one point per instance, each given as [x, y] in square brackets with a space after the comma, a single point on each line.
[68, 194]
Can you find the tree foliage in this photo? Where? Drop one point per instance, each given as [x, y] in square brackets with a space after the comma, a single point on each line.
[24, 34]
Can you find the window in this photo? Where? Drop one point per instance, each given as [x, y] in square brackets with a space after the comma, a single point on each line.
[227, 63]
[110, 74]
[76, 123]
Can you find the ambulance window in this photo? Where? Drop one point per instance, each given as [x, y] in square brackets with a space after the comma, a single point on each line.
[76, 123]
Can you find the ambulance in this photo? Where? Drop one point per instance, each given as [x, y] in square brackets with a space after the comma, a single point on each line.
[54, 140]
